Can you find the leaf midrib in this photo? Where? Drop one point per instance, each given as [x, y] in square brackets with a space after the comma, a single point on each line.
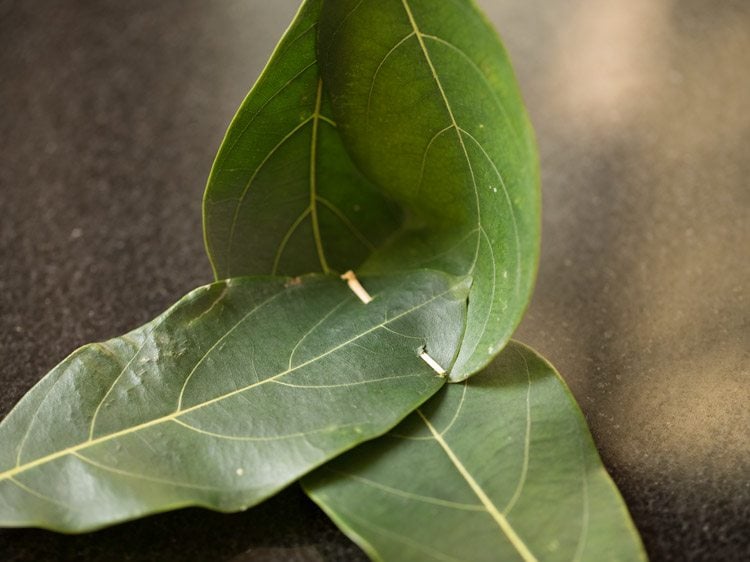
[315, 118]
[454, 124]
[416, 31]
[314, 180]
[491, 508]
[19, 469]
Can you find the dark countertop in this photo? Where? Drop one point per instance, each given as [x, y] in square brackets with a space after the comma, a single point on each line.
[111, 112]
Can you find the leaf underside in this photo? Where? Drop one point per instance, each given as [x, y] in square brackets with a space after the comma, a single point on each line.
[283, 196]
[501, 467]
[236, 391]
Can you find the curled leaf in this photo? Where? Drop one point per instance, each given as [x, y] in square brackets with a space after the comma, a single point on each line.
[427, 104]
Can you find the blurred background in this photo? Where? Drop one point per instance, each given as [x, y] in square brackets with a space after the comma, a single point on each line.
[111, 113]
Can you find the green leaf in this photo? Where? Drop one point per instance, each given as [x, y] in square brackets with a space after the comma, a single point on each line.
[283, 195]
[428, 107]
[499, 468]
[236, 391]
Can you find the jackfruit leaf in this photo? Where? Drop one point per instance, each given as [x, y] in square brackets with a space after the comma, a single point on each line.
[283, 196]
[428, 107]
[501, 467]
[236, 391]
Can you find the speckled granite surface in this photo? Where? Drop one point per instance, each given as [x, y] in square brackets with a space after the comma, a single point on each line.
[111, 112]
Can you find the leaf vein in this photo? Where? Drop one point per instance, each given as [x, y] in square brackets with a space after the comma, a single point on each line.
[436, 554]
[348, 223]
[218, 341]
[348, 384]
[314, 181]
[130, 474]
[510, 207]
[256, 438]
[452, 116]
[92, 425]
[317, 325]
[526, 442]
[240, 201]
[499, 518]
[41, 496]
[478, 70]
[410, 495]
[458, 411]
[287, 236]
[377, 71]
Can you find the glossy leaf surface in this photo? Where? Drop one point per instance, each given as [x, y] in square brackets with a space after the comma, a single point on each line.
[501, 467]
[236, 391]
[428, 107]
[283, 195]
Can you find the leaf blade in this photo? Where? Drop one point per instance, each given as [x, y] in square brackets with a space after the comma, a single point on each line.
[444, 486]
[429, 109]
[159, 419]
[283, 196]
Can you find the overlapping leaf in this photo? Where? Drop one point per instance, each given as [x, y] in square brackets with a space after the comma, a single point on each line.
[428, 107]
[239, 389]
[283, 195]
[501, 467]
[247, 384]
